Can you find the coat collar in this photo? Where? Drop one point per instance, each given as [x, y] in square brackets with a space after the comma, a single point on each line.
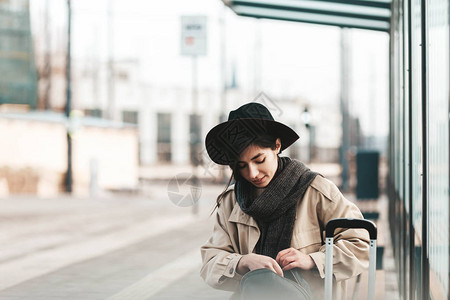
[238, 216]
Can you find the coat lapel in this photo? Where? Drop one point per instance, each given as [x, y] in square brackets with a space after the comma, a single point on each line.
[251, 231]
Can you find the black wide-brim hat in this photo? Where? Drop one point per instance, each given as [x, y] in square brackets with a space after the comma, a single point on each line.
[225, 142]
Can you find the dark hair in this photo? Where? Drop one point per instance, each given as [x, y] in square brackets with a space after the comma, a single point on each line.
[263, 141]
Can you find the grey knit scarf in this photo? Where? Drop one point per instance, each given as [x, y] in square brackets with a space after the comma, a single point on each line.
[274, 210]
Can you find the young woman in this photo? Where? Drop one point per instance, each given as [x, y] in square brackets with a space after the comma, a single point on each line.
[273, 216]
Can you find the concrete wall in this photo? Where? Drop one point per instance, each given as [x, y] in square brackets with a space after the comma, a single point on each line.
[38, 149]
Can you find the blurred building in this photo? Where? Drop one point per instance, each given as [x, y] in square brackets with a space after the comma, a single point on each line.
[126, 67]
[126, 88]
[33, 128]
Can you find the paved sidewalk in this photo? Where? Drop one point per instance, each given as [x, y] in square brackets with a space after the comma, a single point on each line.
[115, 275]
[126, 247]
[75, 248]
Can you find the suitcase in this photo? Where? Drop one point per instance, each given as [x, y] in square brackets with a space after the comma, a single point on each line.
[329, 233]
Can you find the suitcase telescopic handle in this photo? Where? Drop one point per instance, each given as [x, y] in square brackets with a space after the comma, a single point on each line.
[329, 234]
[351, 223]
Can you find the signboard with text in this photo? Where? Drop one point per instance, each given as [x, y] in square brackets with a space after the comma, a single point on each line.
[193, 35]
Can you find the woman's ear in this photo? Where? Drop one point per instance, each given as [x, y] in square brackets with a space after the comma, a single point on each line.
[278, 144]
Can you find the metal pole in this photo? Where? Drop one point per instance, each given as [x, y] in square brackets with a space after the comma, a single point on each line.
[47, 58]
[329, 268]
[68, 181]
[306, 120]
[312, 137]
[223, 94]
[111, 99]
[372, 268]
[196, 132]
[309, 144]
[412, 231]
[344, 108]
[223, 58]
[257, 59]
[424, 68]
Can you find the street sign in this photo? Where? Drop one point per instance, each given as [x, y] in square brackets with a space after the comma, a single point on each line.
[193, 35]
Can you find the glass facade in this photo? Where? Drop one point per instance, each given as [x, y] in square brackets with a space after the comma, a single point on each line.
[16, 55]
[419, 147]
[164, 138]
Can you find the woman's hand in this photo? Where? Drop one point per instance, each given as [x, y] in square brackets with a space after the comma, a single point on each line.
[292, 258]
[252, 261]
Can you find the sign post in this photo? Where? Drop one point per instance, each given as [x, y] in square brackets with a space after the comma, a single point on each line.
[193, 43]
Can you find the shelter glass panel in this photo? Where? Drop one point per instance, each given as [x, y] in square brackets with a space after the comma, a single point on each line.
[438, 132]
[417, 142]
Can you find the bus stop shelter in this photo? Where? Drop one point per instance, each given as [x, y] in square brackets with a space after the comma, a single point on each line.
[363, 14]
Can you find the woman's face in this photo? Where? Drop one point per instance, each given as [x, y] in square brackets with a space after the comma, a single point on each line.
[258, 165]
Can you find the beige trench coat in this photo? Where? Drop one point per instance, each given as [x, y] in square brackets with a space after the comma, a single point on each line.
[236, 234]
